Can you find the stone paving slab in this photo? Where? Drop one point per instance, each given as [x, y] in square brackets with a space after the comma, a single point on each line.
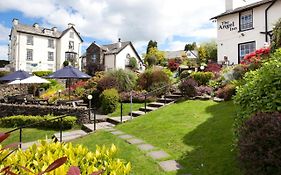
[170, 165]
[110, 129]
[117, 132]
[146, 147]
[124, 119]
[158, 155]
[135, 141]
[126, 136]
[100, 125]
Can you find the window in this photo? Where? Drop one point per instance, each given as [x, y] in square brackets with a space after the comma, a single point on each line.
[29, 40]
[246, 48]
[50, 56]
[127, 61]
[29, 54]
[71, 45]
[94, 57]
[71, 57]
[71, 34]
[246, 20]
[51, 43]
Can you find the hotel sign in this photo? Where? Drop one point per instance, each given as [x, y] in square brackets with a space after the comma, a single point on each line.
[227, 25]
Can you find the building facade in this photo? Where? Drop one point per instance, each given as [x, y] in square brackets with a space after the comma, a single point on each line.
[34, 48]
[113, 56]
[244, 29]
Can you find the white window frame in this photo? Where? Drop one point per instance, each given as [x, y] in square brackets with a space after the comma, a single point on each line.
[246, 48]
[71, 35]
[29, 54]
[127, 60]
[50, 56]
[29, 40]
[71, 45]
[51, 43]
[246, 20]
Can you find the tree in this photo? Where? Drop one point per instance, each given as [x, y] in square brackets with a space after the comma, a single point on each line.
[151, 44]
[189, 47]
[208, 50]
[276, 38]
[155, 53]
[202, 53]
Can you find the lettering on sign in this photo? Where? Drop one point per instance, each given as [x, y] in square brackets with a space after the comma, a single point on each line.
[227, 25]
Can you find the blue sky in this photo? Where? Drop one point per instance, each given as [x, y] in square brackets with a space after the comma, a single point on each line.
[172, 23]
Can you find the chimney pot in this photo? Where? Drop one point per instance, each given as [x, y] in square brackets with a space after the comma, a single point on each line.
[119, 44]
[35, 25]
[15, 21]
[55, 29]
[228, 5]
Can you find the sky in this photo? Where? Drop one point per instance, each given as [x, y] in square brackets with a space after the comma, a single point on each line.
[172, 23]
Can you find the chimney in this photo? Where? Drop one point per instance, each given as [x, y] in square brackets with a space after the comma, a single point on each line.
[15, 21]
[228, 5]
[70, 25]
[54, 29]
[119, 43]
[35, 25]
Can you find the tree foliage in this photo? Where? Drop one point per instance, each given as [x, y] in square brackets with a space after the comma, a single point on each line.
[189, 47]
[154, 52]
[208, 50]
[276, 39]
[151, 44]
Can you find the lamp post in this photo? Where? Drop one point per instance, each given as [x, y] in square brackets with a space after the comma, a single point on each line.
[90, 97]
[59, 93]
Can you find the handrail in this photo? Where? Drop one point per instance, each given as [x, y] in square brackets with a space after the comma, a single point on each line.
[25, 126]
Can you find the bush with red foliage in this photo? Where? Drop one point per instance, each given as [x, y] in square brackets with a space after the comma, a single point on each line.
[254, 59]
[204, 90]
[259, 144]
[78, 84]
[188, 87]
[173, 64]
[213, 67]
[107, 82]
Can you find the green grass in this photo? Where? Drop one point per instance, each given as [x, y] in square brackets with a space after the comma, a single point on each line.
[141, 164]
[31, 134]
[126, 109]
[198, 134]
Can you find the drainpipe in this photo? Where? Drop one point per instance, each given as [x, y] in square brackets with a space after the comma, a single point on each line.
[266, 20]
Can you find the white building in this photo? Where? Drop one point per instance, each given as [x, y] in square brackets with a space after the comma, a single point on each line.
[34, 48]
[113, 56]
[244, 29]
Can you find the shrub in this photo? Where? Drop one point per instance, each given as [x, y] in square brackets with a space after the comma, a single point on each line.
[152, 60]
[213, 67]
[137, 97]
[125, 79]
[259, 144]
[20, 120]
[150, 77]
[168, 72]
[226, 92]
[3, 73]
[38, 157]
[204, 90]
[202, 78]
[133, 63]
[188, 87]
[109, 100]
[262, 90]
[173, 65]
[184, 74]
[107, 82]
[42, 73]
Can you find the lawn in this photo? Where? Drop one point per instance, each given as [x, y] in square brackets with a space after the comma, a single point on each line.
[126, 109]
[198, 134]
[141, 164]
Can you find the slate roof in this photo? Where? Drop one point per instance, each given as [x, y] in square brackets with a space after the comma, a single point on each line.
[113, 48]
[174, 54]
[247, 7]
[40, 31]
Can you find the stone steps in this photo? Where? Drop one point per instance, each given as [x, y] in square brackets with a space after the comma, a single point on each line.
[117, 120]
[148, 109]
[137, 113]
[70, 135]
[156, 104]
[99, 126]
[165, 101]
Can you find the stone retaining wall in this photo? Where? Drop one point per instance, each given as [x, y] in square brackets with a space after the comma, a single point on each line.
[6, 89]
[13, 109]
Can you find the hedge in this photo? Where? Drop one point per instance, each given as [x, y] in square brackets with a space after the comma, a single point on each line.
[21, 120]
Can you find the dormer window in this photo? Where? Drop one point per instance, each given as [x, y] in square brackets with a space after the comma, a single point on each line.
[246, 20]
[29, 40]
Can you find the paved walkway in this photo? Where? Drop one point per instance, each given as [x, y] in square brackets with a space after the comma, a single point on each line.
[161, 157]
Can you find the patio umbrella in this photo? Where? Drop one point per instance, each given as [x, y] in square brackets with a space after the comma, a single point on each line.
[18, 75]
[68, 72]
[30, 80]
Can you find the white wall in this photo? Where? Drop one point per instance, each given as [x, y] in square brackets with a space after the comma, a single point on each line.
[228, 40]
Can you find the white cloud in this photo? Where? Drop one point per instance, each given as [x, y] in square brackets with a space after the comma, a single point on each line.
[4, 33]
[135, 20]
[3, 52]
